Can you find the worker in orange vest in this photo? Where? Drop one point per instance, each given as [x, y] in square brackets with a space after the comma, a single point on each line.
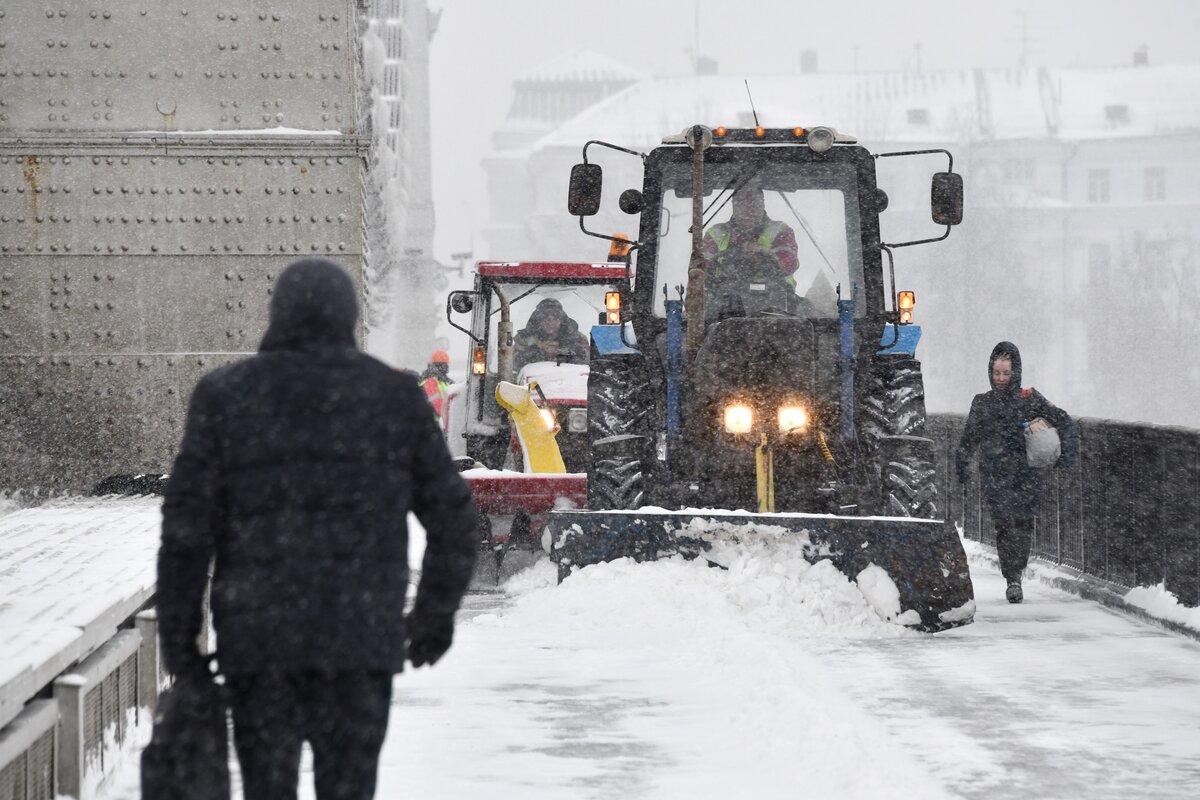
[435, 379]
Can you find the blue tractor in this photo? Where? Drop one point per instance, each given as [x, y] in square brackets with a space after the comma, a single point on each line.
[761, 373]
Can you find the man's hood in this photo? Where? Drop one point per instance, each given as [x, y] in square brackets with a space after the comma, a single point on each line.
[549, 307]
[1009, 351]
[314, 302]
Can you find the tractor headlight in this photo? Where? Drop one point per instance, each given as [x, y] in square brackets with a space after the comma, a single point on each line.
[739, 418]
[792, 418]
[821, 139]
[577, 420]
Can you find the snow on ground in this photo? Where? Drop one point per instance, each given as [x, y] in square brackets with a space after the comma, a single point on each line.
[776, 679]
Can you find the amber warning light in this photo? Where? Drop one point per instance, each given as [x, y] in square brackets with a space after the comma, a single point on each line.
[479, 361]
[619, 247]
[905, 302]
[612, 307]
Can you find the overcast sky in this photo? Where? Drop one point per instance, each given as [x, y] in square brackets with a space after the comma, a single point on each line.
[481, 46]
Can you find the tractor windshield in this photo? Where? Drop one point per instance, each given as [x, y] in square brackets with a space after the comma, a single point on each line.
[778, 238]
[549, 322]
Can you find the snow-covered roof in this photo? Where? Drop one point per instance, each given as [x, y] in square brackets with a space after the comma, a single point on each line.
[937, 106]
[1156, 100]
[583, 66]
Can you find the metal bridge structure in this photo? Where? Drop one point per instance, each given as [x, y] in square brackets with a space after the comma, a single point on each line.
[160, 163]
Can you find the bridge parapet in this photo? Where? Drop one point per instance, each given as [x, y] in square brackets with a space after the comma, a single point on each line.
[1128, 512]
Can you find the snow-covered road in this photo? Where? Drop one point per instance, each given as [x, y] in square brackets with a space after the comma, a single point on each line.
[774, 679]
[663, 681]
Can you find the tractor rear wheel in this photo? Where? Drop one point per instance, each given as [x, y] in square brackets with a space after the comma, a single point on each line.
[893, 434]
[620, 412]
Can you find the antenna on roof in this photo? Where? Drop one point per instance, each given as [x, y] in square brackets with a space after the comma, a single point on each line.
[752, 111]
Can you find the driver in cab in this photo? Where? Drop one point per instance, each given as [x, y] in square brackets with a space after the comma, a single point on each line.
[750, 243]
[550, 335]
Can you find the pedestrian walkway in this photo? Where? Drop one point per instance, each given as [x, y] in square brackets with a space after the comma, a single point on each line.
[71, 571]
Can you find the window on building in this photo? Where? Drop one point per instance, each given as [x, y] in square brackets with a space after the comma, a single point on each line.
[394, 115]
[1155, 185]
[395, 41]
[1154, 256]
[918, 116]
[1018, 170]
[391, 79]
[1099, 266]
[1098, 186]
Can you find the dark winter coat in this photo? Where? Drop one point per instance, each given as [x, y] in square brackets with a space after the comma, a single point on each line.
[995, 426]
[297, 469]
[527, 344]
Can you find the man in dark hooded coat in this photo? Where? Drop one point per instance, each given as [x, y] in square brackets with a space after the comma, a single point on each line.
[549, 334]
[296, 474]
[1012, 488]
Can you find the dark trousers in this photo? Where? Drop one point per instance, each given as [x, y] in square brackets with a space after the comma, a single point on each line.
[1014, 537]
[343, 717]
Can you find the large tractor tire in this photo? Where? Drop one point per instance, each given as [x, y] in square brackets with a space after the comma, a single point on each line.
[892, 434]
[620, 432]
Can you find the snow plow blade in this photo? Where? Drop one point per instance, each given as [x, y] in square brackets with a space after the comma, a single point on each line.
[923, 558]
[512, 508]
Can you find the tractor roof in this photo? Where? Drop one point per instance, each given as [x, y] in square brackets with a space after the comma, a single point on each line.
[551, 270]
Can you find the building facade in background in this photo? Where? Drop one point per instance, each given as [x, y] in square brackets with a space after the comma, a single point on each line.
[406, 278]
[1081, 237]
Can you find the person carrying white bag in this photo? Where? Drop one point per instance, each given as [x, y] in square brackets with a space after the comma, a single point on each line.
[1019, 434]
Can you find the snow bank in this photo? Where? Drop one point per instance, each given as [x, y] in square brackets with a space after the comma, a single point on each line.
[1158, 602]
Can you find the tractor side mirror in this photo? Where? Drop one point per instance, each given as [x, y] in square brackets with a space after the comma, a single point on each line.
[462, 302]
[583, 197]
[946, 198]
[632, 202]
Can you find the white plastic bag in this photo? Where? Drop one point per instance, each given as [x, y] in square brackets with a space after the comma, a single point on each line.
[1042, 445]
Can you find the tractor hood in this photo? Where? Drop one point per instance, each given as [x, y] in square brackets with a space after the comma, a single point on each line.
[765, 360]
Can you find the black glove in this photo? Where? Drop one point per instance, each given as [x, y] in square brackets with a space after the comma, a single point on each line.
[186, 663]
[193, 667]
[429, 637]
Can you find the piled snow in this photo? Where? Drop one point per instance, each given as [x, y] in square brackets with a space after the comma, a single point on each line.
[1160, 603]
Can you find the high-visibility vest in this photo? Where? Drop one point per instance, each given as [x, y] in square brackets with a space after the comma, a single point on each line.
[435, 391]
[722, 234]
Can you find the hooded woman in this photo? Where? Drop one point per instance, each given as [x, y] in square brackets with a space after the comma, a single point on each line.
[1012, 488]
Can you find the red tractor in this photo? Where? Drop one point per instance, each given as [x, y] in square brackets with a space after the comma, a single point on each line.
[524, 449]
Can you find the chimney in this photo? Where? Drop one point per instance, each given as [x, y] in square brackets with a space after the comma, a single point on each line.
[808, 62]
[1141, 56]
[706, 65]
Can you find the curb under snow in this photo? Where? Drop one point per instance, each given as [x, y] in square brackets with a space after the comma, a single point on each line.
[1089, 587]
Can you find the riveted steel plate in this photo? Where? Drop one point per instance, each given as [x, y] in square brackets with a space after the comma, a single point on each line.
[181, 196]
[178, 65]
[68, 421]
[145, 212]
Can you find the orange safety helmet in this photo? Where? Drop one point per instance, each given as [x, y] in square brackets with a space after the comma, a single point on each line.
[439, 357]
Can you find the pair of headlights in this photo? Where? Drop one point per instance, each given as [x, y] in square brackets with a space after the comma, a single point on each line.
[739, 418]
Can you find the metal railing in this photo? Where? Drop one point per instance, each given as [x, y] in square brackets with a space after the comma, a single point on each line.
[57, 746]
[1127, 512]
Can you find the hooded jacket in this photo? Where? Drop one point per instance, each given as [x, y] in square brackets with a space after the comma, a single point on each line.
[995, 427]
[527, 343]
[296, 473]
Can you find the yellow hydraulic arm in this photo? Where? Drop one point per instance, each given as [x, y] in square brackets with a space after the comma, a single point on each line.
[535, 429]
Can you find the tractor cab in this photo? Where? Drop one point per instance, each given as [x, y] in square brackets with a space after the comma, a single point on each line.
[529, 323]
